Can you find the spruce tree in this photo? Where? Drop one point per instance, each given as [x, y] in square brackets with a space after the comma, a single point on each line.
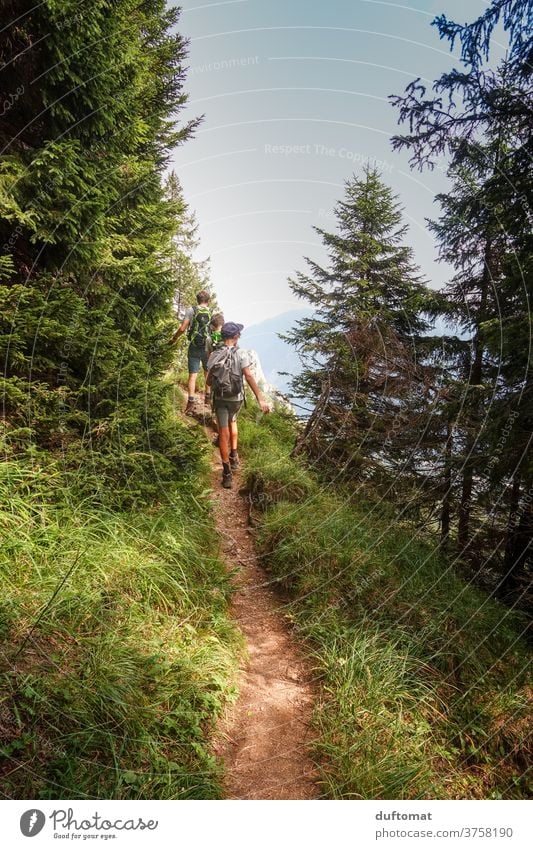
[470, 238]
[85, 227]
[359, 348]
[190, 274]
[480, 117]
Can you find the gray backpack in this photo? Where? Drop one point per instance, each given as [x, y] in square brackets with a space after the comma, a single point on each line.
[226, 373]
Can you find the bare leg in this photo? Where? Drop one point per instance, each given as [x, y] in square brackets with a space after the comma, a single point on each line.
[223, 443]
[192, 384]
[234, 434]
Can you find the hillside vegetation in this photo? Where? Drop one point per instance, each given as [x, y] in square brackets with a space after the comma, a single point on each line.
[116, 651]
[423, 678]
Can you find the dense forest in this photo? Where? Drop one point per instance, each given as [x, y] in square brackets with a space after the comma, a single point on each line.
[396, 520]
[93, 240]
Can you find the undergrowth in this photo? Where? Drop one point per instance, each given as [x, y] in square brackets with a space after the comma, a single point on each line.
[116, 650]
[424, 690]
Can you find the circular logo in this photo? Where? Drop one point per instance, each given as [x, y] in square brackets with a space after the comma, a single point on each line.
[32, 822]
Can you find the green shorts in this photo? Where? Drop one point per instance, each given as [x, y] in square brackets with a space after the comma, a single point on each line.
[226, 411]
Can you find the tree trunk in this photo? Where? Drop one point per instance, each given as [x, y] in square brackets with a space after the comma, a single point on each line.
[305, 439]
[518, 547]
[472, 408]
[447, 497]
[463, 530]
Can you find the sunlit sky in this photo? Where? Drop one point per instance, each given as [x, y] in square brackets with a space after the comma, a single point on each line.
[294, 94]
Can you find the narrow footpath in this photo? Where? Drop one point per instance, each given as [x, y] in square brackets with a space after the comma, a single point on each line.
[264, 739]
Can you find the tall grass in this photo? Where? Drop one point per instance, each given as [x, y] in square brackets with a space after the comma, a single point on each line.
[116, 650]
[424, 678]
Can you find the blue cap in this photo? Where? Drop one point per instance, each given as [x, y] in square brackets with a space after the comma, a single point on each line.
[230, 329]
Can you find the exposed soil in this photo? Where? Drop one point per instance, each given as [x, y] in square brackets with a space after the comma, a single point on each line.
[264, 739]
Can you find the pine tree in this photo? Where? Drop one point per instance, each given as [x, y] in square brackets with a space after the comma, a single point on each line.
[360, 347]
[86, 230]
[470, 238]
[190, 274]
[481, 118]
[469, 101]
[510, 431]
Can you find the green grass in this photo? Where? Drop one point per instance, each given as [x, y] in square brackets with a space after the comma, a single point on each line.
[116, 650]
[423, 678]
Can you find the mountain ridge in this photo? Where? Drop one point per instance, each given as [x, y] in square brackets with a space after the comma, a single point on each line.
[275, 354]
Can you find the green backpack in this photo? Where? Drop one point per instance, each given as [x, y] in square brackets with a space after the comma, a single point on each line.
[199, 327]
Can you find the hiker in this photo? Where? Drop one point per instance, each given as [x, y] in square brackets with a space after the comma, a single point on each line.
[225, 372]
[214, 343]
[214, 338]
[195, 324]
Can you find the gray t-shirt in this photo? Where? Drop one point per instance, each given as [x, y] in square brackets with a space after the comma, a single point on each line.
[244, 362]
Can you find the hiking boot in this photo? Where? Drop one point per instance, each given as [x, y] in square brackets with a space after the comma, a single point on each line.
[234, 461]
[227, 479]
[189, 409]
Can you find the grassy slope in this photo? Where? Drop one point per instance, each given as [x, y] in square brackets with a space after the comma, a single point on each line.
[110, 685]
[424, 688]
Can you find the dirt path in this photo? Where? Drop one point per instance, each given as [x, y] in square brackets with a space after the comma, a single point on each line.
[264, 739]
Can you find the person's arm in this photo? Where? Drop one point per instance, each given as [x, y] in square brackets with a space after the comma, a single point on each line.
[251, 381]
[181, 330]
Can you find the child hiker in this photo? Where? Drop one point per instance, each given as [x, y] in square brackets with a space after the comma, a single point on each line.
[214, 342]
[226, 370]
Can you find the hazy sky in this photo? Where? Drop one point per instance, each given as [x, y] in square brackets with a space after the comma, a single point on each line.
[294, 94]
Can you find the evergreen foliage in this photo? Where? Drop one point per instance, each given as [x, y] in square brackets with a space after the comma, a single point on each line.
[190, 274]
[444, 421]
[116, 653]
[360, 348]
[87, 280]
[480, 117]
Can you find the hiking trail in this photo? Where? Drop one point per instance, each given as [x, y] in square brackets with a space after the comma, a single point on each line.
[263, 739]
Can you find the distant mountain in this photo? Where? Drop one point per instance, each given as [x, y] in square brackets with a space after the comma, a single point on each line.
[276, 355]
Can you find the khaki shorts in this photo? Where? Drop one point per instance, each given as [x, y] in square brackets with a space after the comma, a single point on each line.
[226, 411]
